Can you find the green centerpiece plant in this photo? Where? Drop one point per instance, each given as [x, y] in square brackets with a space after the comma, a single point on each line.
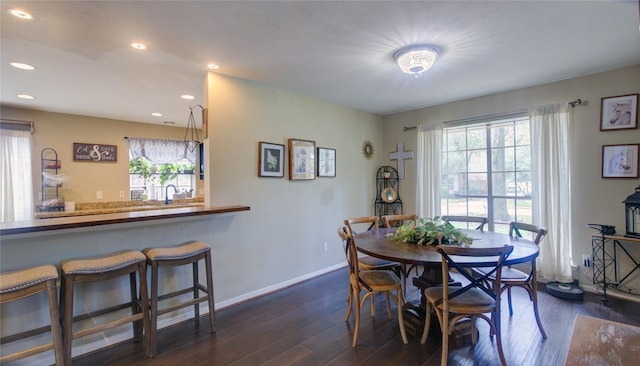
[431, 232]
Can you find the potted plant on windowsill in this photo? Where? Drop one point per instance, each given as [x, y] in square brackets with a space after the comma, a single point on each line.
[186, 168]
[167, 172]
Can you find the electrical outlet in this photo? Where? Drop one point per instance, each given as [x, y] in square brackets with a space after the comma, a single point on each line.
[325, 247]
[99, 195]
[586, 260]
[121, 194]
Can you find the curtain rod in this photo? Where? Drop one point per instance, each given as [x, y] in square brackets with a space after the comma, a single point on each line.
[572, 103]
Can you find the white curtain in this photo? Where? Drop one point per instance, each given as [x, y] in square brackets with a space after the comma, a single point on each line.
[551, 179]
[16, 192]
[429, 170]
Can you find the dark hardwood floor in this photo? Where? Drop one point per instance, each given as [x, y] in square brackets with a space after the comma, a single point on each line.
[304, 325]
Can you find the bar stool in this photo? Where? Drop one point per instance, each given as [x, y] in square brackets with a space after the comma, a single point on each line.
[23, 283]
[86, 270]
[189, 253]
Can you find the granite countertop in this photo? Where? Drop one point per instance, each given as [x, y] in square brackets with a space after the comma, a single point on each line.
[98, 208]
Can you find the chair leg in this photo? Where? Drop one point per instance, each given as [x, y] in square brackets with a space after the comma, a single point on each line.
[355, 330]
[67, 328]
[445, 338]
[56, 331]
[144, 307]
[135, 307]
[196, 294]
[153, 326]
[427, 323]
[212, 310]
[509, 298]
[388, 306]
[534, 298]
[498, 332]
[400, 301]
[350, 303]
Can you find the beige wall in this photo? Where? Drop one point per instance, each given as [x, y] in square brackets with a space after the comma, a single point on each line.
[282, 236]
[595, 200]
[59, 132]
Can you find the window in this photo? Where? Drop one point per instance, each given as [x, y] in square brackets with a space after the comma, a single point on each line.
[155, 164]
[486, 171]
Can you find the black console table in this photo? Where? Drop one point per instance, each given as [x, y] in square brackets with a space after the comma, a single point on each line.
[604, 251]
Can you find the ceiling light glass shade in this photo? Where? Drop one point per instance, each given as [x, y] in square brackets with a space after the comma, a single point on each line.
[415, 60]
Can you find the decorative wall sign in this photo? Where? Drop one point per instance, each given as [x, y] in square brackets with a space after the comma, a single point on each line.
[302, 162]
[94, 152]
[270, 160]
[619, 113]
[400, 155]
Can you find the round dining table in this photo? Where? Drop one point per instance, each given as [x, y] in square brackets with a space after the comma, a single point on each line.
[380, 243]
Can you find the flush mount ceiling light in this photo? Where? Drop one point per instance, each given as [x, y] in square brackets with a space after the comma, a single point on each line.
[417, 59]
[20, 14]
[138, 46]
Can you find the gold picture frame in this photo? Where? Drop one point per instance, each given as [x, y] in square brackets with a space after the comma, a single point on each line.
[302, 161]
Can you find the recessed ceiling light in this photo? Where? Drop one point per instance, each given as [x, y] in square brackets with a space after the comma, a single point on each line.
[156, 114]
[23, 66]
[187, 96]
[169, 123]
[25, 96]
[20, 14]
[213, 66]
[138, 46]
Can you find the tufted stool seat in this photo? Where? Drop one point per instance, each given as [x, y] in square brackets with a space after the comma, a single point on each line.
[189, 253]
[19, 284]
[112, 266]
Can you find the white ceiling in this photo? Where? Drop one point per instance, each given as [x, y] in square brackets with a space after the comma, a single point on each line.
[339, 51]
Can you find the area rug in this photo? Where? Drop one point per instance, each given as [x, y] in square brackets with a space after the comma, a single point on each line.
[598, 342]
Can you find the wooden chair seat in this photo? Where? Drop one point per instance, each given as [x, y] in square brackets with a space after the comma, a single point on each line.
[473, 300]
[17, 285]
[368, 263]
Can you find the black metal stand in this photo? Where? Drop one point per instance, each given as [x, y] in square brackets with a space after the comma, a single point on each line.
[604, 250]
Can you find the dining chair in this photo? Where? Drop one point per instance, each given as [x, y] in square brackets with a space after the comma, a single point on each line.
[367, 262]
[482, 221]
[389, 221]
[512, 277]
[397, 220]
[473, 300]
[371, 282]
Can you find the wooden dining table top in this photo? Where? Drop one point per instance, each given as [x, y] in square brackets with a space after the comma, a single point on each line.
[380, 243]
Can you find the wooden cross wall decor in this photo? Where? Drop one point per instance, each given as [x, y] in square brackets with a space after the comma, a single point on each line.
[400, 155]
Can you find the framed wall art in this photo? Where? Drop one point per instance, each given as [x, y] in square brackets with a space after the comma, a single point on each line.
[619, 113]
[620, 161]
[326, 162]
[302, 162]
[270, 160]
[95, 152]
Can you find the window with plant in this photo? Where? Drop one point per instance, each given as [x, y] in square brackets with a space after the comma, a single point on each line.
[154, 164]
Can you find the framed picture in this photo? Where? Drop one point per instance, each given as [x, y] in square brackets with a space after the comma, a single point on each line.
[619, 113]
[326, 162]
[271, 160]
[302, 161]
[620, 161]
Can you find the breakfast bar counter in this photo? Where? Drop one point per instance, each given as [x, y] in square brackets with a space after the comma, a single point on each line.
[78, 221]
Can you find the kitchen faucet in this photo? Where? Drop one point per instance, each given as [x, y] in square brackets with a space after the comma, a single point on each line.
[166, 193]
